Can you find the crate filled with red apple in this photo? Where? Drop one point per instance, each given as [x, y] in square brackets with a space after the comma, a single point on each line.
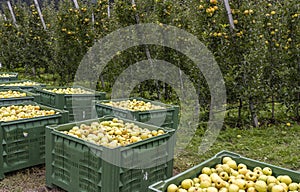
[229, 172]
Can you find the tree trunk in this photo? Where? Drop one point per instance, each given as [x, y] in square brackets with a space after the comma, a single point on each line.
[253, 113]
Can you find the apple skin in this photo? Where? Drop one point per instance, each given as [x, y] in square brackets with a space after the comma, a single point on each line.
[293, 186]
[272, 179]
[212, 189]
[243, 171]
[232, 164]
[233, 188]
[187, 183]
[206, 170]
[241, 183]
[196, 180]
[277, 188]
[226, 168]
[223, 189]
[249, 184]
[226, 159]
[286, 179]
[257, 169]
[214, 177]
[172, 188]
[204, 177]
[242, 166]
[285, 186]
[219, 184]
[270, 186]
[260, 186]
[267, 171]
[263, 178]
[205, 183]
[234, 172]
[251, 189]
[181, 190]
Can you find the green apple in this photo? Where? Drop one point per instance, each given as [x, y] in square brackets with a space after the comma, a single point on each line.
[206, 170]
[249, 184]
[263, 178]
[212, 189]
[267, 171]
[196, 180]
[233, 188]
[241, 183]
[181, 190]
[223, 189]
[250, 176]
[214, 177]
[234, 172]
[172, 188]
[251, 189]
[219, 170]
[187, 183]
[226, 159]
[240, 176]
[260, 186]
[204, 177]
[277, 188]
[219, 184]
[213, 170]
[194, 189]
[226, 168]
[205, 183]
[286, 179]
[270, 186]
[243, 171]
[285, 186]
[257, 169]
[293, 186]
[232, 164]
[272, 179]
[242, 166]
[224, 175]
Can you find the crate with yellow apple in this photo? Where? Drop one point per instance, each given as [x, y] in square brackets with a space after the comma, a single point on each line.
[77, 100]
[24, 84]
[15, 96]
[8, 76]
[231, 172]
[22, 134]
[140, 109]
[108, 154]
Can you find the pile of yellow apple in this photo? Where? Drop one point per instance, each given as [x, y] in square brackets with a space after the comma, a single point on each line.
[112, 133]
[229, 176]
[11, 94]
[25, 83]
[17, 112]
[69, 90]
[134, 105]
[7, 75]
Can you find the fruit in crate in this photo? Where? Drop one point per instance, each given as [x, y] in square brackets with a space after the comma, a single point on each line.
[230, 176]
[25, 83]
[112, 133]
[11, 94]
[134, 105]
[17, 112]
[69, 90]
[7, 75]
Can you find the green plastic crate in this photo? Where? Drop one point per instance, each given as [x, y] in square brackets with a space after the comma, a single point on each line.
[23, 141]
[75, 165]
[17, 100]
[167, 117]
[63, 101]
[12, 76]
[81, 113]
[5, 85]
[161, 186]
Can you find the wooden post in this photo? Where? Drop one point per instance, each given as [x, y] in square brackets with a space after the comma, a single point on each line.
[108, 8]
[229, 14]
[40, 13]
[12, 13]
[76, 4]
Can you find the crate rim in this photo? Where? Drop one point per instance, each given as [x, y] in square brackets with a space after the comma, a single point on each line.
[96, 93]
[35, 118]
[54, 130]
[168, 107]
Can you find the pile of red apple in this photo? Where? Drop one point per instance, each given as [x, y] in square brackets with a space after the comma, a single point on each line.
[229, 176]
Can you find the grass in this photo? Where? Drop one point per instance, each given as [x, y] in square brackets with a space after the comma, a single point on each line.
[277, 144]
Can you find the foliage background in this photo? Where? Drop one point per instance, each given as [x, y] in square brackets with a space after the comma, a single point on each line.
[259, 58]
